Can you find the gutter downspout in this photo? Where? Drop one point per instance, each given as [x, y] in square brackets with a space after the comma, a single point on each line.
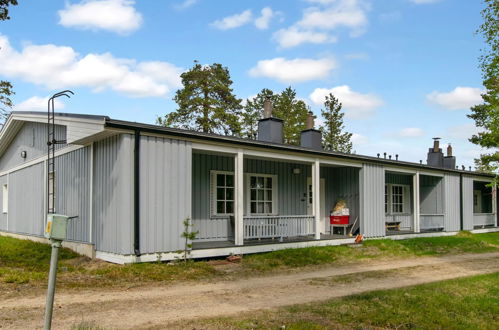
[136, 194]
[461, 220]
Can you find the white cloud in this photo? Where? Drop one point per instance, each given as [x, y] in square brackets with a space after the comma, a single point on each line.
[359, 139]
[356, 105]
[295, 70]
[186, 4]
[410, 132]
[294, 36]
[37, 103]
[54, 66]
[263, 21]
[234, 21]
[112, 15]
[423, 2]
[340, 13]
[457, 99]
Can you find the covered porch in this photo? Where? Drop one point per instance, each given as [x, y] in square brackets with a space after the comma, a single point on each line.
[484, 205]
[252, 198]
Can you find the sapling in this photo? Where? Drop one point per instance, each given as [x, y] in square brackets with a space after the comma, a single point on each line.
[188, 236]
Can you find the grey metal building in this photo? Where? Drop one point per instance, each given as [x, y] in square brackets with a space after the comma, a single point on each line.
[131, 185]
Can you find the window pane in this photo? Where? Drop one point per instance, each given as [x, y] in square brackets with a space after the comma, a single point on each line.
[269, 195]
[221, 207]
[253, 182]
[259, 182]
[230, 207]
[220, 180]
[268, 183]
[260, 195]
[268, 207]
[220, 193]
[229, 194]
[259, 207]
[253, 194]
[229, 180]
[253, 207]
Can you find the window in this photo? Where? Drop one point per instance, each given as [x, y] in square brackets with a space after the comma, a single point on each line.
[262, 194]
[222, 193]
[51, 193]
[5, 198]
[397, 199]
[477, 201]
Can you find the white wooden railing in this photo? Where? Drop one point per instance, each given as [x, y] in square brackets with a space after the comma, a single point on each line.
[278, 226]
[431, 221]
[484, 219]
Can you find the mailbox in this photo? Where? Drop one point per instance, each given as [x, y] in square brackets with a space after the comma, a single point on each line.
[56, 228]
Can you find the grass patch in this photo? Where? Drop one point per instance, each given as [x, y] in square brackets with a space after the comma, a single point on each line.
[466, 303]
[26, 263]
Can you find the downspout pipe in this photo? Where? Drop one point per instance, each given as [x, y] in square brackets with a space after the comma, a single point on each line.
[461, 220]
[136, 194]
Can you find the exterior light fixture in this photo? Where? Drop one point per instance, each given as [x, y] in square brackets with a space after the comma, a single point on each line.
[24, 154]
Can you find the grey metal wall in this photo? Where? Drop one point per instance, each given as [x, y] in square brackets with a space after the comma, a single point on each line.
[372, 200]
[467, 203]
[32, 138]
[113, 194]
[72, 190]
[452, 216]
[165, 193]
[342, 183]
[431, 194]
[3, 216]
[291, 190]
[26, 200]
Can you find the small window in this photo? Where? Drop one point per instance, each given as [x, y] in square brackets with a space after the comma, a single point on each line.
[222, 193]
[397, 199]
[386, 198]
[5, 198]
[262, 194]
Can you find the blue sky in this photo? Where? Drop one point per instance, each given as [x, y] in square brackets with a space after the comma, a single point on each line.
[405, 70]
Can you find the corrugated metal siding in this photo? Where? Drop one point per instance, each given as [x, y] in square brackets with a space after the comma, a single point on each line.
[26, 200]
[467, 203]
[406, 220]
[372, 200]
[342, 183]
[72, 190]
[113, 194]
[165, 193]
[431, 194]
[396, 178]
[32, 138]
[452, 217]
[3, 216]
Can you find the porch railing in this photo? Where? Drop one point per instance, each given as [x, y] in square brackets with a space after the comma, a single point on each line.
[278, 226]
[484, 219]
[431, 221]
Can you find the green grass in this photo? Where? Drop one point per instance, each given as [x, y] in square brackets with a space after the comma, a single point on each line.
[466, 303]
[24, 262]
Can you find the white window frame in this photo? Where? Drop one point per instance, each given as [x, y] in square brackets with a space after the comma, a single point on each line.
[213, 193]
[405, 206]
[5, 198]
[275, 194]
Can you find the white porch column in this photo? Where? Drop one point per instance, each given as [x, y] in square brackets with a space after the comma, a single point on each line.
[416, 202]
[494, 198]
[239, 198]
[316, 200]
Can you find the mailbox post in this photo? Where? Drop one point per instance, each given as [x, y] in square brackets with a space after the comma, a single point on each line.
[55, 231]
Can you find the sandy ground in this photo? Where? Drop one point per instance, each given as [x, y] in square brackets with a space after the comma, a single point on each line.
[139, 308]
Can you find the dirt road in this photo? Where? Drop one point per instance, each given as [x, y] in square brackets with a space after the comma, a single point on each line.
[153, 306]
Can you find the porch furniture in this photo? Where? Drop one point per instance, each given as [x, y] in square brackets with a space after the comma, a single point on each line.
[393, 225]
[344, 227]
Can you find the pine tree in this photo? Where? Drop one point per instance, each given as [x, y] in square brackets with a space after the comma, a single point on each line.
[253, 111]
[206, 103]
[333, 137]
[486, 115]
[293, 112]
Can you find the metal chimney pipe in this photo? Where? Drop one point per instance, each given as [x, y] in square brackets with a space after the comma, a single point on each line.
[310, 120]
[384, 154]
[449, 150]
[390, 157]
[436, 144]
[396, 157]
[378, 154]
[267, 108]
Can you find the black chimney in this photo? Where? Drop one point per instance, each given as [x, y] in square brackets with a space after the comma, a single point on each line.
[435, 155]
[270, 129]
[449, 160]
[311, 137]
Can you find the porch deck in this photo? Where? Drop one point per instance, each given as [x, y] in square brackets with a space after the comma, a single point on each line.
[263, 241]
